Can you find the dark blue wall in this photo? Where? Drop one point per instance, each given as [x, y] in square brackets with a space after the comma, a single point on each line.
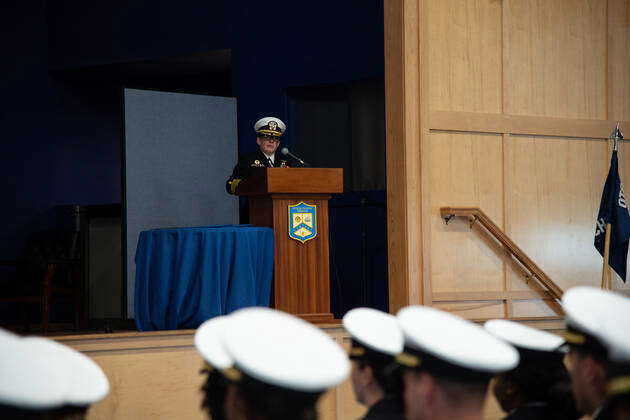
[61, 137]
[60, 142]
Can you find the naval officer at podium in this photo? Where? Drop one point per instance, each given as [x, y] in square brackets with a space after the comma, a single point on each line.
[269, 131]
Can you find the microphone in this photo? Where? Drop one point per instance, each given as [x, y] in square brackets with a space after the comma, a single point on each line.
[285, 151]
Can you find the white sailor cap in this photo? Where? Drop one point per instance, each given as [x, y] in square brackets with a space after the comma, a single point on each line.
[530, 342]
[28, 379]
[373, 333]
[209, 344]
[269, 127]
[87, 381]
[282, 350]
[608, 324]
[590, 312]
[449, 346]
[39, 374]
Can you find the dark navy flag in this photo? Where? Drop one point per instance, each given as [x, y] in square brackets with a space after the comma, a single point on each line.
[614, 210]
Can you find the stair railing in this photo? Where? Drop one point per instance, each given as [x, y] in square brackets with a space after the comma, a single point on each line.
[475, 214]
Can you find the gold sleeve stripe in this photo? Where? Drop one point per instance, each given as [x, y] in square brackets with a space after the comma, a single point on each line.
[409, 360]
[620, 385]
[233, 184]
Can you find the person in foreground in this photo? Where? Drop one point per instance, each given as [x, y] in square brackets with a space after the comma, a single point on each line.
[280, 365]
[615, 336]
[42, 379]
[215, 387]
[598, 360]
[376, 340]
[447, 364]
[539, 387]
[269, 131]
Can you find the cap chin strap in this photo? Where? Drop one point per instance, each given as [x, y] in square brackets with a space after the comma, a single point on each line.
[356, 351]
[572, 337]
[409, 360]
[270, 133]
[619, 385]
[232, 374]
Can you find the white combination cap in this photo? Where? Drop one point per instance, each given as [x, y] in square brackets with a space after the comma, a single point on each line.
[28, 379]
[270, 126]
[598, 317]
[616, 337]
[524, 337]
[279, 349]
[209, 344]
[446, 344]
[590, 312]
[87, 382]
[38, 373]
[373, 330]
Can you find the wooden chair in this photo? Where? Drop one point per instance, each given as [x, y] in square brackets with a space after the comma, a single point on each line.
[47, 271]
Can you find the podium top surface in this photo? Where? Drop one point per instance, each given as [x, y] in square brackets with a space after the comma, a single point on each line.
[292, 181]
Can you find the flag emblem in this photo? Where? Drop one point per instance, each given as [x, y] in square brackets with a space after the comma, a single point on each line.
[302, 222]
[613, 210]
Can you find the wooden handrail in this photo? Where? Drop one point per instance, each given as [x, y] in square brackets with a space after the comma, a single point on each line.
[474, 214]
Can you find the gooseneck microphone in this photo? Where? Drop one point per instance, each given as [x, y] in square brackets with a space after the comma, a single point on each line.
[285, 151]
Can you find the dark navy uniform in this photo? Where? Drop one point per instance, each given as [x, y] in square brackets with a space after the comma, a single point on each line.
[246, 162]
[538, 411]
[605, 413]
[386, 409]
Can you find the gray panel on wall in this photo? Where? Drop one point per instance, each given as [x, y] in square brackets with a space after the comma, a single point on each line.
[179, 150]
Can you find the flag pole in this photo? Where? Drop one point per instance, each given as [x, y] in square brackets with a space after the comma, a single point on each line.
[606, 277]
[605, 270]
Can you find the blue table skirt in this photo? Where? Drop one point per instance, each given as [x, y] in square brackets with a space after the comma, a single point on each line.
[188, 275]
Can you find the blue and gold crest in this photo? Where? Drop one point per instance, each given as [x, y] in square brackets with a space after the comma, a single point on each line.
[302, 222]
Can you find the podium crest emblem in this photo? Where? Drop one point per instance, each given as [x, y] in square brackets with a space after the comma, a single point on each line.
[302, 222]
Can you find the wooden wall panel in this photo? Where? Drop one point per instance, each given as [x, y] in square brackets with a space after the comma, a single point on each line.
[555, 57]
[547, 76]
[531, 308]
[619, 60]
[465, 55]
[474, 309]
[150, 384]
[553, 195]
[404, 122]
[466, 170]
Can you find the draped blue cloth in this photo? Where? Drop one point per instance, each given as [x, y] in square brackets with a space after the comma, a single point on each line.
[185, 276]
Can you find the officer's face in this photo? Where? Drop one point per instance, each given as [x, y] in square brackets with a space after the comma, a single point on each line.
[584, 372]
[416, 385]
[358, 377]
[268, 145]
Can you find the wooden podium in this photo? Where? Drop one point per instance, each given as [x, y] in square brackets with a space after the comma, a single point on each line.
[301, 270]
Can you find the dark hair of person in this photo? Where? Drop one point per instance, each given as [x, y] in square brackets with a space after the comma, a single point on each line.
[214, 392]
[61, 413]
[619, 407]
[539, 380]
[262, 401]
[454, 389]
[618, 402]
[386, 375]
